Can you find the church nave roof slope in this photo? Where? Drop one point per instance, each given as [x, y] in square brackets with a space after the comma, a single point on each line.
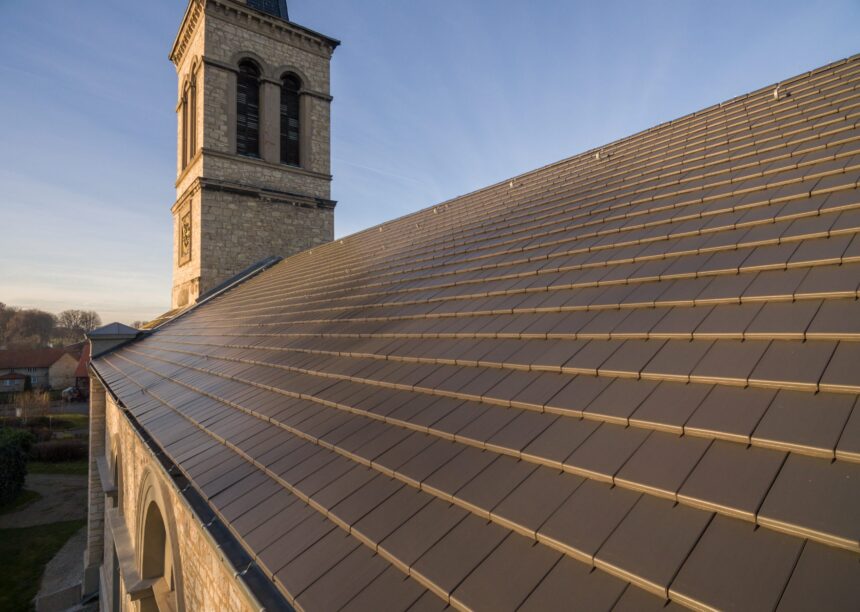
[627, 378]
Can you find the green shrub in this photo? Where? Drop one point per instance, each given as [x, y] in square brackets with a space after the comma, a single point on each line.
[21, 437]
[14, 446]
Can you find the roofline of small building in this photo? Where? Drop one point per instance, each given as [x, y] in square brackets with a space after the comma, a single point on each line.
[62, 354]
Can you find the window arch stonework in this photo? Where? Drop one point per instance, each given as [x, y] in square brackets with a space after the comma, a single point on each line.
[117, 472]
[157, 547]
[188, 117]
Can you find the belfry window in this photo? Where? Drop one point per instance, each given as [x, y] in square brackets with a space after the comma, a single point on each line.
[192, 116]
[248, 110]
[188, 116]
[290, 139]
[183, 118]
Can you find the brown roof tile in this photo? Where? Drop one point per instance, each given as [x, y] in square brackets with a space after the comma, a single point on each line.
[734, 565]
[732, 479]
[423, 529]
[804, 422]
[652, 542]
[586, 519]
[605, 451]
[663, 462]
[527, 507]
[507, 576]
[816, 498]
[825, 578]
[453, 557]
[392, 589]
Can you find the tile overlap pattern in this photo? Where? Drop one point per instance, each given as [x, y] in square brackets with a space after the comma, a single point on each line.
[617, 380]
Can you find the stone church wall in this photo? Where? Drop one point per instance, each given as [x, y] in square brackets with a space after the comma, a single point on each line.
[239, 230]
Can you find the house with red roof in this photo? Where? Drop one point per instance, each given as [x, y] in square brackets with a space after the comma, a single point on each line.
[46, 368]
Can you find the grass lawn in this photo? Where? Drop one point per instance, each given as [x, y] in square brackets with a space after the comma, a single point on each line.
[24, 498]
[63, 467]
[23, 556]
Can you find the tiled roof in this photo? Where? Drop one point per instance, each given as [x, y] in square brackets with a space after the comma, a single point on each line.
[161, 319]
[31, 358]
[643, 359]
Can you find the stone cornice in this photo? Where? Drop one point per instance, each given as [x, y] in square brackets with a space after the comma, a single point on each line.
[307, 39]
[234, 157]
[268, 195]
[186, 31]
[192, 188]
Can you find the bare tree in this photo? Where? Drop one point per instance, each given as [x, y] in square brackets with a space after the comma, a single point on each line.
[78, 323]
[36, 328]
[68, 319]
[31, 328]
[32, 404]
[90, 320]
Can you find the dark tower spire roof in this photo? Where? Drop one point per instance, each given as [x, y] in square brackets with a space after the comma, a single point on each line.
[277, 8]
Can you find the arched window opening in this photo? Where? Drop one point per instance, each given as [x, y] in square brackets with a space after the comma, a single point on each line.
[115, 602]
[248, 110]
[188, 118]
[157, 563]
[192, 116]
[117, 481]
[183, 115]
[290, 128]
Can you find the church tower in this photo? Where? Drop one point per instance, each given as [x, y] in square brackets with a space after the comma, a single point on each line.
[253, 175]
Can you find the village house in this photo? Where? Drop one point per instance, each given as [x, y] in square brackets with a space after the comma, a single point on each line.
[627, 380]
[13, 383]
[44, 368]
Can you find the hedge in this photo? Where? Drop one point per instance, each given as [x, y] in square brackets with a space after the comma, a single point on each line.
[69, 449]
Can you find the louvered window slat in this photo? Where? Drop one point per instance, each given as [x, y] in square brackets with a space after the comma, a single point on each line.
[290, 128]
[248, 111]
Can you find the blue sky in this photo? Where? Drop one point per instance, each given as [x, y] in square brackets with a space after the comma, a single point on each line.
[432, 100]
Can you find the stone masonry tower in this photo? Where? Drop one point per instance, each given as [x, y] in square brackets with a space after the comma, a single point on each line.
[253, 175]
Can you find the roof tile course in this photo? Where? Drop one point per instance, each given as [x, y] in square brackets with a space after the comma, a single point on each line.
[609, 382]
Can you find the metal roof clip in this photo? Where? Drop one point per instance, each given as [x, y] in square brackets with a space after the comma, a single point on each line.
[245, 571]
